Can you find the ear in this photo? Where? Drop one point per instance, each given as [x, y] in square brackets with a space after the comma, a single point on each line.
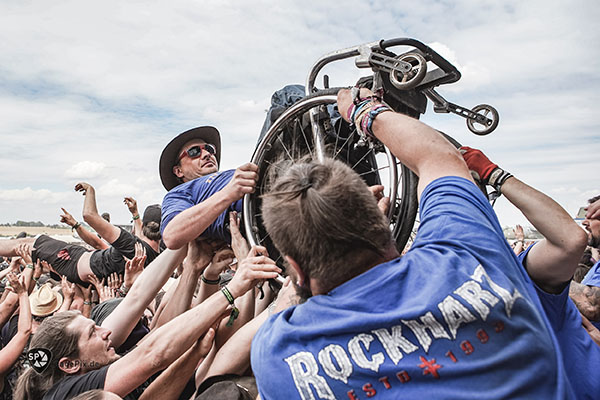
[68, 366]
[177, 171]
[298, 273]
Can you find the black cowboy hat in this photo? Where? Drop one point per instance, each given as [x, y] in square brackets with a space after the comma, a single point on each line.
[168, 158]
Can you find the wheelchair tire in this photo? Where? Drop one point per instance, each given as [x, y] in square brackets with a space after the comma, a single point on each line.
[291, 138]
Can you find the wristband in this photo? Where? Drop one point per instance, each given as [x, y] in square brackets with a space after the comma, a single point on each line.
[234, 310]
[87, 303]
[136, 217]
[497, 178]
[30, 266]
[210, 281]
[35, 279]
[77, 225]
[123, 290]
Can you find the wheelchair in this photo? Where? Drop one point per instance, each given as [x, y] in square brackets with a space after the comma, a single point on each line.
[312, 127]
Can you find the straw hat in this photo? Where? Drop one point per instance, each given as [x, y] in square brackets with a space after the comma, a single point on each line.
[45, 301]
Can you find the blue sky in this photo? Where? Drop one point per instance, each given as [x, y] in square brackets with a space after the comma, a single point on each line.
[94, 90]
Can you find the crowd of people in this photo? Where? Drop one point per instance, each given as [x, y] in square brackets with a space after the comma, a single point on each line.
[182, 307]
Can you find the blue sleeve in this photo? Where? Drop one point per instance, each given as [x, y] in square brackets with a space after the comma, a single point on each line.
[592, 278]
[455, 212]
[173, 203]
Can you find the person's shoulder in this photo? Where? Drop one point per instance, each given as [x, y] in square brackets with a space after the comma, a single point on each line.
[73, 385]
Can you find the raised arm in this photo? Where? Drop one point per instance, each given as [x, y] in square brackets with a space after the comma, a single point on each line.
[418, 146]
[85, 235]
[135, 215]
[170, 341]
[190, 223]
[198, 257]
[552, 261]
[14, 348]
[105, 229]
[124, 318]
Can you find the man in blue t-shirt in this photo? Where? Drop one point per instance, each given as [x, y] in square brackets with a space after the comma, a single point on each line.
[586, 294]
[455, 317]
[551, 263]
[199, 195]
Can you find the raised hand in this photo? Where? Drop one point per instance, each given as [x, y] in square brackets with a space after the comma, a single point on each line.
[518, 231]
[593, 210]
[16, 284]
[131, 205]
[68, 288]
[115, 281]
[83, 187]
[253, 269]
[24, 251]
[243, 181]
[67, 218]
[239, 244]
[135, 266]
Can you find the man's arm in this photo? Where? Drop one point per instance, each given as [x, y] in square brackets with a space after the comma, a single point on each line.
[85, 235]
[170, 341]
[124, 318]
[171, 382]
[135, 215]
[105, 229]
[587, 300]
[198, 257]
[418, 146]
[14, 348]
[189, 224]
[552, 261]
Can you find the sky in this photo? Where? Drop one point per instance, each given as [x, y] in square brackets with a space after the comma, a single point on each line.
[92, 91]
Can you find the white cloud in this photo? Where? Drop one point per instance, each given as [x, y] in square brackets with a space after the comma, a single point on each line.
[85, 170]
[97, 89]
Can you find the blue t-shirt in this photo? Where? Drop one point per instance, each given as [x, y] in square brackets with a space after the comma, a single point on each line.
[592, 278]
[194, 192]
[581, 355]
[456, 317]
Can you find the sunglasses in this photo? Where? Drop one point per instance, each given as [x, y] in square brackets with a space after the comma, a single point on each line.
[196, 151]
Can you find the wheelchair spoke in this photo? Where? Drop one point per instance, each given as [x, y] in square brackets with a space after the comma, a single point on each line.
[285, 148]
[305, 139]
[373, 170]
[342, 147]
[363, 157]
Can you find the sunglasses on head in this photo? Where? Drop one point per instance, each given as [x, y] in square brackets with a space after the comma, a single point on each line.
[196, 151]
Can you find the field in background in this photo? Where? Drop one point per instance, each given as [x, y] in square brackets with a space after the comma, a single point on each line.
[11, 231]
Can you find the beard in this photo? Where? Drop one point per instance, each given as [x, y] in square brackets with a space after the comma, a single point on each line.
[593, 241]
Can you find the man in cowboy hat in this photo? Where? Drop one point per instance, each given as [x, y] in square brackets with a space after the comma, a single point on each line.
[199, 195]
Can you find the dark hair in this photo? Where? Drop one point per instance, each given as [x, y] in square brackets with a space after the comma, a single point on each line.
[52, 334]
[152, 230]
[323, 216]
[594, 199]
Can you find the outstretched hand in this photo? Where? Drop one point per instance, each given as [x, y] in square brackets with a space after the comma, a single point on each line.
[131, 205]
[238, 242]
[24, 251]
[16, 284]
[480, 166]
[67, 218]
[253, 269]
[243, 181]
[518, 231]
[383, 202]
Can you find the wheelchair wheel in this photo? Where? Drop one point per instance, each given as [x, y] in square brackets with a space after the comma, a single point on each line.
[313, 128]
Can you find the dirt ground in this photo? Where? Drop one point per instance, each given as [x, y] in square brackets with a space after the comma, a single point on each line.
[11, 231]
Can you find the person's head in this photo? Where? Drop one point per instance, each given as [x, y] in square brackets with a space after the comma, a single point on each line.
[76, 346]
[151, 222]
[325, 221]
[106, 216]
[592, 226]
[190, 155]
